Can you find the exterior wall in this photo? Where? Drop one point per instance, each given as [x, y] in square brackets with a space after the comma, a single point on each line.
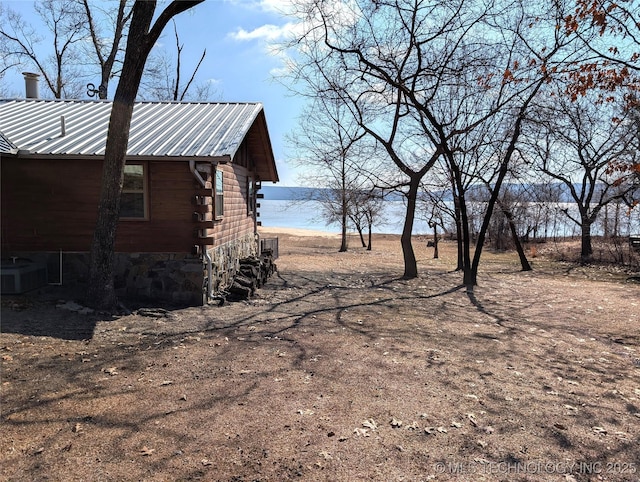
[54, 210]
[56, 203]
[234, 234]
[236, 222]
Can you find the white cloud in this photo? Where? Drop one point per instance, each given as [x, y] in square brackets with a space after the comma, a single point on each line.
[268, 33]
[270, 6]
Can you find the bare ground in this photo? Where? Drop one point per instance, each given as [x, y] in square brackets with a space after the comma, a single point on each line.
[337, 370]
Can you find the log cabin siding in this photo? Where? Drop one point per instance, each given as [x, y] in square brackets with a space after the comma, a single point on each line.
[56, 203]
[236, 222]
[49, 204]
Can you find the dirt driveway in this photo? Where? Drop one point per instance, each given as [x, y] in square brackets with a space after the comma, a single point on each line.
[339, 371]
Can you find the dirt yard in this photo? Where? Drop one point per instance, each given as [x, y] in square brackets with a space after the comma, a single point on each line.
[337, 370]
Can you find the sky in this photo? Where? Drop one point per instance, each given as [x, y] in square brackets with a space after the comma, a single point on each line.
[241, 62]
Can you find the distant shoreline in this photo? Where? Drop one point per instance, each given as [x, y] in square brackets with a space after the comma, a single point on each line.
[302, 232]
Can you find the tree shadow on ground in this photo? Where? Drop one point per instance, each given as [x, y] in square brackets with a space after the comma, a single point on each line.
[60, 324]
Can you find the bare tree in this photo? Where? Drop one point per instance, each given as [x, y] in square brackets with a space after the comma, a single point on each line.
[141, 39]
[578, 144]
[163, 77]
[106, 46]
[83, 35]
[391, 63]
[58, 66]
[365, 210]
[327, 139]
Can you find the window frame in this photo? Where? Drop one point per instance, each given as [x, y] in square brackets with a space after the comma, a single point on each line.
[251, 196]
[144, 192]
[218, 194]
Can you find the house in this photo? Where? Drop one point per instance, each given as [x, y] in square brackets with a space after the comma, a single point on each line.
[188, 214]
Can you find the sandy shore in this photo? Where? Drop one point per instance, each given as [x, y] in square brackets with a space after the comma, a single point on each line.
[264, 230]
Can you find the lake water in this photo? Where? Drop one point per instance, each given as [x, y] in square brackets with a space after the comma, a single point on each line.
[308, 215]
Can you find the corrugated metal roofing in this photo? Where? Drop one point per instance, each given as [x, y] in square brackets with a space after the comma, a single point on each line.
[158, 129]
[6, 145]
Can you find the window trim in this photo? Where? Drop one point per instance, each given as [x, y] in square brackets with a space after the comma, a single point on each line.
[251, 196]
[218, 196]
[145, 191]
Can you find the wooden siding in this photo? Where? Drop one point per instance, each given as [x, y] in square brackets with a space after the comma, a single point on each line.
[235, 222]
[51, 205]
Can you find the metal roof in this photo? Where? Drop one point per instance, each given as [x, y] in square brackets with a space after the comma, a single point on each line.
[158, 129]
[6, 146]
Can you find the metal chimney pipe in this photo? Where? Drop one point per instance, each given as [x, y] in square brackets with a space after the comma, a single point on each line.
[31, 85]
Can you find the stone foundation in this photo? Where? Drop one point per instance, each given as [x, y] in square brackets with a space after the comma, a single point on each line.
[174, 278]
[225, 259]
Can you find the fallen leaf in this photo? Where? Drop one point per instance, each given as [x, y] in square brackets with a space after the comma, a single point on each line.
[306, 412]
[361, 431]
[600, 430]
[370, 423]
[326, 455]
[146, 451]
[481, 443]
[456, 424]
[559, 426]
[472, 419]
[206, 462]
[429, 430]
[396, 423]
[77, 428]
[488, 429]
[166, 382]
[441, 430]
[7, 358]
[413, 426]
[111, 371]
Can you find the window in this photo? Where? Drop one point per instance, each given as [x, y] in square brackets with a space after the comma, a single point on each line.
[133, 203]
[251, 199]
[219, 194]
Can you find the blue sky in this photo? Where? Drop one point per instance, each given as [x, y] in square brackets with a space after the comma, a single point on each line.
[241, 63]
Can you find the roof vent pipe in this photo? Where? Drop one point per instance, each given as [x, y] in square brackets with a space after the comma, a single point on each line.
[32, 88]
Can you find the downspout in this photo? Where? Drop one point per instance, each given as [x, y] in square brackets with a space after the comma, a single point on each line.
[205, 253]
[207, 258]
[59, 283]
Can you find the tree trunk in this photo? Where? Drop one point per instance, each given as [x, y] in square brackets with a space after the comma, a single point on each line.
[524, 262]
[343, 244]
[435, 241]
[100, 289]
[410, 264]
[361, 234]
[343, 208]
[369, 245]
[586, 249]
[100, 292]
